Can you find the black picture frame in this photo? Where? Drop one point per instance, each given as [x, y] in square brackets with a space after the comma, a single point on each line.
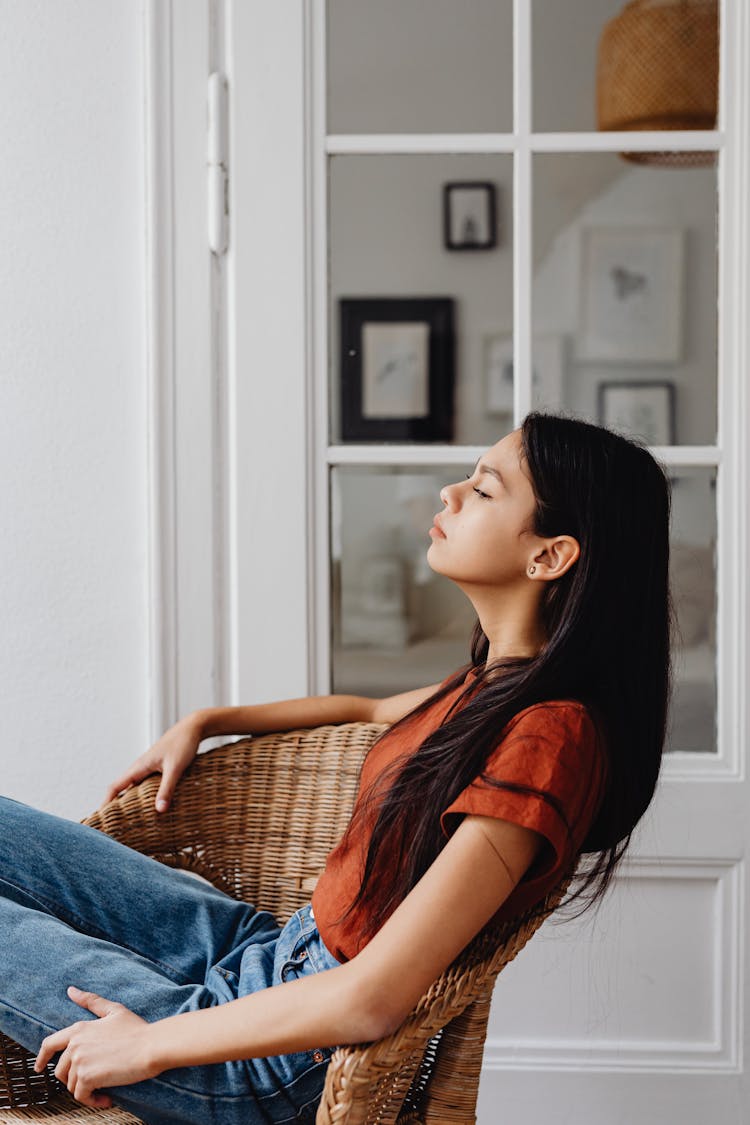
[472, 205]
[397, 368]
[642, 408]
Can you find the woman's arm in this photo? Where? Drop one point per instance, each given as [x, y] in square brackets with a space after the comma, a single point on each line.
[175, 750]
[311, 711]
[371, 995]
[360, 1001]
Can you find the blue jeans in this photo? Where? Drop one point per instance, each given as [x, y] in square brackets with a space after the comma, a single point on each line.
[77, 907]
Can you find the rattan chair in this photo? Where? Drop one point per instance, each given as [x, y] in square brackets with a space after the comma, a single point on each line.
[257, 818]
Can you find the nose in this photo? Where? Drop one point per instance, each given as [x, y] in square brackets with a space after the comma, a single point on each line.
[448, 495]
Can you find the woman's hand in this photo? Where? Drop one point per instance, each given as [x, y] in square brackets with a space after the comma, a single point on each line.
[110, 1051]
[170, 756]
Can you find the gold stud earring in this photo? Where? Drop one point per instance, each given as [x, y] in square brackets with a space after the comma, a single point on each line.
[532, 569]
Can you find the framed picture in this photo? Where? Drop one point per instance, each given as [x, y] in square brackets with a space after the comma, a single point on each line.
[546, 376]
[643, 410]
[631, 295]
[469, 216]
[397, 368]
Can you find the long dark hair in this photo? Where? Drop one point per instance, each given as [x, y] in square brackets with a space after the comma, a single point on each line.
[608, 622]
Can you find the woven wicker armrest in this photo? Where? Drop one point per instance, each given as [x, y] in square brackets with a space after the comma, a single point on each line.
[256, 817]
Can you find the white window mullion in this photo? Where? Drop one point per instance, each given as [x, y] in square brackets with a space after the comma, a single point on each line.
[696, 140]
[369, 144]
[319, 600]
[406, 455]
[683, 456]
[522, 210]
[733, 409]
[411, 144]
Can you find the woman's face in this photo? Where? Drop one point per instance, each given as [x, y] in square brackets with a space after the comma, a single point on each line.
[483, 535]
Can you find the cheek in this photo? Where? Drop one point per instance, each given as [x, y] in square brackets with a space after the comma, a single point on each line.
[483, 536]
[477, 549]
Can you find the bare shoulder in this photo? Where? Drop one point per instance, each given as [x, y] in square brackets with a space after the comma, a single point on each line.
[394, 707]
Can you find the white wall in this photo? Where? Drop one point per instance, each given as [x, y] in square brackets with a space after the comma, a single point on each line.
[73, 653]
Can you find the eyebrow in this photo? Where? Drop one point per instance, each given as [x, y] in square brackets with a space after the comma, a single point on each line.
[483, 468]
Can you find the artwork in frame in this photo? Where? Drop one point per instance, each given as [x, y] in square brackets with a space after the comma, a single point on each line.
[469, 215]
[547, 372]
[644, 410]
[631, 295]
[397, 368]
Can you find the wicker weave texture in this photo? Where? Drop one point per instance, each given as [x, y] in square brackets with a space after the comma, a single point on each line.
[658, 68]
[62, 1107]
[19, 1084]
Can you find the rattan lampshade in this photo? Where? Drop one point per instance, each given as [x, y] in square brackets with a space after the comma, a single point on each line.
[658, 68]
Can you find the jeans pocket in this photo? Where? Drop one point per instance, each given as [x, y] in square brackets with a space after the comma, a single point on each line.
[223, 983]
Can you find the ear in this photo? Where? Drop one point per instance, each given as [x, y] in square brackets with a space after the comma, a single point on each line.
[556, 557]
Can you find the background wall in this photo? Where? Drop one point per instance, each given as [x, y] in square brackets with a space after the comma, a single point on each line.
[73, 620]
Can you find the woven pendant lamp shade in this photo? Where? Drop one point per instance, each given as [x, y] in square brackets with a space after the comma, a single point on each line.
[658, 68]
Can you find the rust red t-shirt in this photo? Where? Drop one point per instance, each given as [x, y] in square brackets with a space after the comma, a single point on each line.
[551, 746]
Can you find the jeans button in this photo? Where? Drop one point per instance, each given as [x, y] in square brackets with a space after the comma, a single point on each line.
[303, 954]
[318, 1056]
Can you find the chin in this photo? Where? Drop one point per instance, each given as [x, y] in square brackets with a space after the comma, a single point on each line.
[430, 557]
[434, 565]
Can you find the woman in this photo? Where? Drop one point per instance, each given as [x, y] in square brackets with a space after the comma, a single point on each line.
[483, 793]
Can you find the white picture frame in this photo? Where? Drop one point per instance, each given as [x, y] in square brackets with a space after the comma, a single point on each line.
[642, 409]
[631, 282]
[548, 367]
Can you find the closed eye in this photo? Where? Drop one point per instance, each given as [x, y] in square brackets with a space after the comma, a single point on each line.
[484, 495]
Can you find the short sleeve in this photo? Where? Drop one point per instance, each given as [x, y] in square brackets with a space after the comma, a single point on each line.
[552, 747]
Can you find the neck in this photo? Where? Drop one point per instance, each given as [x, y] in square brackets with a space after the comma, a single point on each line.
[512, 626]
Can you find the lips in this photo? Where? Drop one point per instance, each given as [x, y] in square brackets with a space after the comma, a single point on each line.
[436, 530]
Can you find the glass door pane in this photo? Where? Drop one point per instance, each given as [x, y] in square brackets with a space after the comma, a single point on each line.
[396, 624]
[625, 293]
[421, 256]
[425, 66]
[693, 580]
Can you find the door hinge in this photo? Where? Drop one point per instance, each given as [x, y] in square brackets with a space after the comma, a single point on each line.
[216, 164]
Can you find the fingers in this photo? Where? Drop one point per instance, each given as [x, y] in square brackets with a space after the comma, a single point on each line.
[169, 780]
[51, 1045]
[79, 1086]
[93, 1003]
[95, 1101]
[127, 780]
[72, 1069]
